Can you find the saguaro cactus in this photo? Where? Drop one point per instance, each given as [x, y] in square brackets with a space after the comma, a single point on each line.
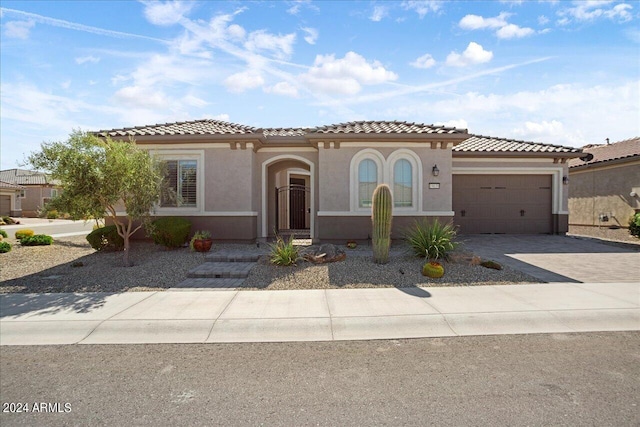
[381, 214]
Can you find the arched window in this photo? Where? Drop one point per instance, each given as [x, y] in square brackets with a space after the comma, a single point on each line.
[402, 184]
[367, 182]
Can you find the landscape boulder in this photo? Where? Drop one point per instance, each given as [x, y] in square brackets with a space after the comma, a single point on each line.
[321, 254]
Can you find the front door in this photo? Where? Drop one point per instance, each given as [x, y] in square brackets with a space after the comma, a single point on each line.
[297, 204]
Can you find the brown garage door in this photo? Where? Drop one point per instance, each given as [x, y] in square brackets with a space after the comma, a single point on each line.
[510, 204]
[5, 205]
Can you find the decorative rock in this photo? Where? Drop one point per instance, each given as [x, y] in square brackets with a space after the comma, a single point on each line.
[323, 254]
[464, 258]
[491, 264]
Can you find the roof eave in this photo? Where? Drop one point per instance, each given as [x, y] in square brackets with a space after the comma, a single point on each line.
[514, 154]
[604, 163]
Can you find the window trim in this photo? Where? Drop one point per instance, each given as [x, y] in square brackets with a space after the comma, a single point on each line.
[366, 154]
[416, 177]
[179, 155]
[385, 175]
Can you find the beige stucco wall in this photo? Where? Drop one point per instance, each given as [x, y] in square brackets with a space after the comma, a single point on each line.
[228, 176]
[595, 191]
[335, 176]
[33, 200]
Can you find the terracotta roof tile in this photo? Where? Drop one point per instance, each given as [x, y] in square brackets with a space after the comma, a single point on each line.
[489, 144]
[10, 186]
[285, 131]
[25, 177]
[197, 127]
[607, 152]
[386, 127]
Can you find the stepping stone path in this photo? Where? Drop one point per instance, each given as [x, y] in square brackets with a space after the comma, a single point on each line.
[222, 270]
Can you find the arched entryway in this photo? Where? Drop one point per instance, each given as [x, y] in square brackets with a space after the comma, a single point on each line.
[288, 196]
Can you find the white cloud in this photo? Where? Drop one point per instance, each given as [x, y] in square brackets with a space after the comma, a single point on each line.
[475, 22]
[422, 7]
[543, 20]
[298, 4]
[591, 10]
[346, 75]
[473, 54]
[504, 30]
[223, 117]
[83, 59]
[378, 13]
[460, 124]
[166, 13]
[236, 31]
[283, 88]
[425, 61]
[65, 84]
[511, 31]
[240, 82]
[194, 101]
[142, 97]
[281, 46]
[18, 29]
[537, 130]
[311, 35]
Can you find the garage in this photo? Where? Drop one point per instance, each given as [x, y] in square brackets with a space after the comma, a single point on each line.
[503, 204]
[5, 205]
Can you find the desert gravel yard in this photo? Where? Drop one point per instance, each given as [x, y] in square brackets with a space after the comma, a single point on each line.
[71, 265]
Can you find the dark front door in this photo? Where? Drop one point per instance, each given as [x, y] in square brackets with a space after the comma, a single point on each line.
[297, 204]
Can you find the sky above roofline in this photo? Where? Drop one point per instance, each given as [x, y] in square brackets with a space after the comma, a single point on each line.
[563, 73]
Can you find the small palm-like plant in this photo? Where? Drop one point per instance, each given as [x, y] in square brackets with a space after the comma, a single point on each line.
[284, 253]
[431, 240]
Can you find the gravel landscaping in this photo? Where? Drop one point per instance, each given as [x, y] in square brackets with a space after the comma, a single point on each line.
[71, 265]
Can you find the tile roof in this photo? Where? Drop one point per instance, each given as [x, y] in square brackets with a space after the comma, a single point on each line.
[10, 186]
[604, 153]
[387, 127]
[197, 127]
[489, 144]
[25, 177]
[216, 127]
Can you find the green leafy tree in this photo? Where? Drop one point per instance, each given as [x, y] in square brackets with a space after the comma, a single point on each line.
[101, 177]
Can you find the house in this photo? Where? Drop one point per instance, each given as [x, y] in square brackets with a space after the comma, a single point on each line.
[36, 189]
[10, 199]
[605, 187]
[246, 183]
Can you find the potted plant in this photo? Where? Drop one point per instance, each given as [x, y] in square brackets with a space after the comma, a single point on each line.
[201, 241]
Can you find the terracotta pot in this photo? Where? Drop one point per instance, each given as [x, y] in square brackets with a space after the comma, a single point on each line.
[202, 245]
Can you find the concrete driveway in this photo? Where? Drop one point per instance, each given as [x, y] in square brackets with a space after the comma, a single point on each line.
[559, 258]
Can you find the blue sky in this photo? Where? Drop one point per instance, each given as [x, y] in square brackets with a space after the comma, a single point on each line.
[550, 71]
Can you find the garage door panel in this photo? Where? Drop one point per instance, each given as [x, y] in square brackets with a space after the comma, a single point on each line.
[513, 204]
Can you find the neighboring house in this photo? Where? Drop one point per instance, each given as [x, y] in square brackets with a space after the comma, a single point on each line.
[246, 183]
[10, 199]
[605, 186]
[37, 188]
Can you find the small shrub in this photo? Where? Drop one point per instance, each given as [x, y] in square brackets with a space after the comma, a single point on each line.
[8, 220]
[5, 247]
[284, 253]
[491, 264]
[106, 239]
[634, 225]
[25, 232]
[171, 232]
[37, 240]
[433, 240]
[3, 234]
[53, 214]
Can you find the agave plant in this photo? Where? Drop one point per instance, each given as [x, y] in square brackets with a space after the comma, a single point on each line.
[431, 240]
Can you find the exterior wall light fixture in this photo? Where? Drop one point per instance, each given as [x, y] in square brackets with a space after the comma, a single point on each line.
[435, 171]
[565, 180]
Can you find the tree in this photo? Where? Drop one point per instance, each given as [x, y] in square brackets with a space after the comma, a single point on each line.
[101, 177]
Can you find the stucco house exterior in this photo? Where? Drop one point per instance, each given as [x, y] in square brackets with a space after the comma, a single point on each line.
[246, 183]
[605, 186]
[36, 190]
[10, 199]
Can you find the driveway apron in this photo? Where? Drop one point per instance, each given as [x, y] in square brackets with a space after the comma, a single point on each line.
[559, 258]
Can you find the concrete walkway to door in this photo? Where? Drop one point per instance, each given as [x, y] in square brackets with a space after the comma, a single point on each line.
[559, 258]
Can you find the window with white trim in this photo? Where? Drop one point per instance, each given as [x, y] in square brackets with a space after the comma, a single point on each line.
[54, 192]
[182, 179]
[402, 184]
[367, 182]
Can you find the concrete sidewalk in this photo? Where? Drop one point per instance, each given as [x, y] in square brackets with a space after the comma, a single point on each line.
[316, 315]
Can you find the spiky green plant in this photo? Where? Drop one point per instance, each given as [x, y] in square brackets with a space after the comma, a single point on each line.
[381, 216]
[431, 240]
[284, 253]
